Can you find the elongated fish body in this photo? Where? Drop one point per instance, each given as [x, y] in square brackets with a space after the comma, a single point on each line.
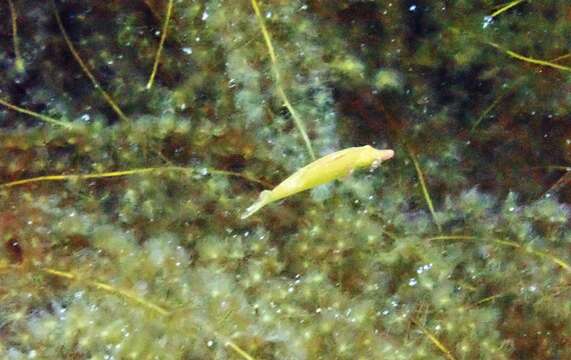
[328, 168]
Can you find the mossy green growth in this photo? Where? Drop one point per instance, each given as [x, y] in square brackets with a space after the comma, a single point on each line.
[158, 263]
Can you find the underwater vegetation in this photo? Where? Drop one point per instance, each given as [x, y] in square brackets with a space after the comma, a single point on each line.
[133, 135]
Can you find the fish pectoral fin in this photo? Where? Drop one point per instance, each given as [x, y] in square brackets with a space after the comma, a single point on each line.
[263, 200]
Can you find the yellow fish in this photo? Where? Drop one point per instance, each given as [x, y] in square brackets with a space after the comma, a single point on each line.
[330, 167]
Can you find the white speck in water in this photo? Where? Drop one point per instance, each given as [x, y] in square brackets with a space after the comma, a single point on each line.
[487, 21]
[269, 15]
[204, 16]
[412, 282]
[412, 8]
[210, 343]
[423, 268]
[187, 50]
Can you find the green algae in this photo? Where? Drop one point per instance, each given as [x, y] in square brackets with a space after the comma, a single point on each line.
[122, 239]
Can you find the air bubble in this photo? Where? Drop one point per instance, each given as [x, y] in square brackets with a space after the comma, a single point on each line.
[487, 21]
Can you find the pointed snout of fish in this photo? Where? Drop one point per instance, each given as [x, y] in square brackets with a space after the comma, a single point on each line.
[382, 156]
[386, 155]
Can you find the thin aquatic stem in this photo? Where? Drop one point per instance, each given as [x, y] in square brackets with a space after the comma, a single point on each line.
[85, 68]
[445, 351]
[530, 60]
[424, 188]
[18, 61]
[121, 173]
[554, 167]
[488, 299]
[138, 300]
[67, 177]
[238, 349]
[278, 79]
[161, 44]
[538, 253]
[506, 7]
[527, 248]
[562, 57]
[129, 295]
[451, 237]
[36, 115]
[506, 92]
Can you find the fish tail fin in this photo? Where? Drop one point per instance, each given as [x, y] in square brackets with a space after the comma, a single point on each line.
[262, 201]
